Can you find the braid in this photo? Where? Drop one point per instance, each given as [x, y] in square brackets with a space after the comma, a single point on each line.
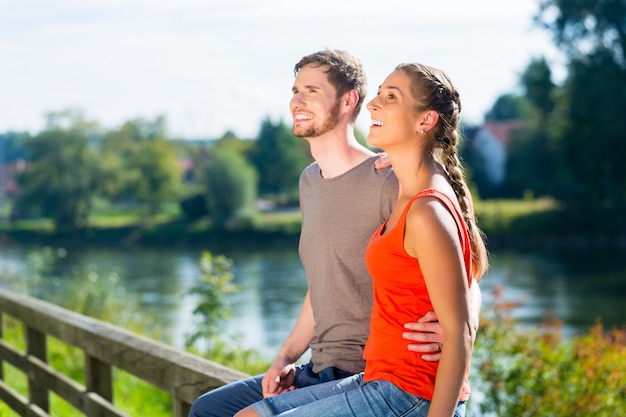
[452, 165]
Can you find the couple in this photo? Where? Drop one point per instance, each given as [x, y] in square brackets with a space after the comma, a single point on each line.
[426, 214]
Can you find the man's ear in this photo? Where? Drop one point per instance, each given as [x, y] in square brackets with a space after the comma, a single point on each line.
[351, 98]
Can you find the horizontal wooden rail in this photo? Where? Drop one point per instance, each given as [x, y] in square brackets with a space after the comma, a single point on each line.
[105, 346]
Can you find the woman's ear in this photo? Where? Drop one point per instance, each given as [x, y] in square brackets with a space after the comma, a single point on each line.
[428, 120]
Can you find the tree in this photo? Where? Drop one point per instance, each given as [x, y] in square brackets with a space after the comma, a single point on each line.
[538, 86]
[12, 146]
[12, 150]
[279, 158]
[229, 183]
[531, 164]
[591, 138]
[589, 122]
[585, 26]
[60, 181]
[231, 141]
[141, 164]
[507, 107]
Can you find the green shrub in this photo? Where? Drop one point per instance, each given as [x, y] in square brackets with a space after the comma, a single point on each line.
[535, 372]
[213, 312]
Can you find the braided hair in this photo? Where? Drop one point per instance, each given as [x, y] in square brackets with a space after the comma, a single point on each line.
[433, 90]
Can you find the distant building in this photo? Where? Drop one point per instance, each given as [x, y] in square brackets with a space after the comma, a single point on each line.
[491, 141]
[8, 171]
[187, 166]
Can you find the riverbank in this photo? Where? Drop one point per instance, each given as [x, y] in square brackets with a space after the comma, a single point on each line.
[506, 223]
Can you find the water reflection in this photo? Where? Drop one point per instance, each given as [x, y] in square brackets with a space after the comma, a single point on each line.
[272, 286]
[576, 287]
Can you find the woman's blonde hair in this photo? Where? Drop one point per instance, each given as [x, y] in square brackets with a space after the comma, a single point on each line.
[432, 89]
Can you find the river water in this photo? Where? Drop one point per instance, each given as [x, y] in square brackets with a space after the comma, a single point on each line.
[577, 287]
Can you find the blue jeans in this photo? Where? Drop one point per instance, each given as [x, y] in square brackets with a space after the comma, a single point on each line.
[225, 401]
[349, 397]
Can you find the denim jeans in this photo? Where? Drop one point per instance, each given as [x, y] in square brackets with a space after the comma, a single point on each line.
[349, 397]
[225, 401]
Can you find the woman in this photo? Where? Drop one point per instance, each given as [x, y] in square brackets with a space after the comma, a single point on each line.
[422, 258]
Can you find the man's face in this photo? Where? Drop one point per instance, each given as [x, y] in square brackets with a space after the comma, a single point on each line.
[314, 105]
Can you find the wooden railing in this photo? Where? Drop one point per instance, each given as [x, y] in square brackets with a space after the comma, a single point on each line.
[105, 346]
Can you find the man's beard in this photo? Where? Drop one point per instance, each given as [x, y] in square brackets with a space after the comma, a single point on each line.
[330, 122]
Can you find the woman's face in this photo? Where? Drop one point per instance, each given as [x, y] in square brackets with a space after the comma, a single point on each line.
[394, 118]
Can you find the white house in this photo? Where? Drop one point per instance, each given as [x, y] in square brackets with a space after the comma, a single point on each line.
[491, 140]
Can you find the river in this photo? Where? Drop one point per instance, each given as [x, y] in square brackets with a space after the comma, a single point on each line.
[575, 286]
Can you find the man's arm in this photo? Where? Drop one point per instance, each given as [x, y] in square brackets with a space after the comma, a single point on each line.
[428, 333]
[279, 378]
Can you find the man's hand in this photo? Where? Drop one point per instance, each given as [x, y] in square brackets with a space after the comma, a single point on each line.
[428, 333]
[279, 378]
[382, 161]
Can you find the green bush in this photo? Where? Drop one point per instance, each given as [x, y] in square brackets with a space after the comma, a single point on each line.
[535, 372]
[213, 312]
[229, 186]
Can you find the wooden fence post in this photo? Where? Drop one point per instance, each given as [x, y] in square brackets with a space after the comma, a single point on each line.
[99, 377]
[36, 346]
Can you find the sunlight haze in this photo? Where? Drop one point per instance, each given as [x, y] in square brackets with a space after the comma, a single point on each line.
[211, 66]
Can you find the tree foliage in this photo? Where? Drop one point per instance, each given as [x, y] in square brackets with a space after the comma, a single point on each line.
[507, 107]
[229, 187]
[140, 164]
[591, 137]
[571, 144]
[531, 161]
[585, 26]
[589, 122]
[538, 86]
[279, 157]
[12, 146]
[62, 173]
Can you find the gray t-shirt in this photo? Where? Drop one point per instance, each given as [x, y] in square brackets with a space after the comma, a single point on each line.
[339, 216]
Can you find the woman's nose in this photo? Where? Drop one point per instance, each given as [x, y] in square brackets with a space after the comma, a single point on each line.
[372, 104]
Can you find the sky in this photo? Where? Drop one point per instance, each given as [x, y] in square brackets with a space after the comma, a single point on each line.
[209, 66]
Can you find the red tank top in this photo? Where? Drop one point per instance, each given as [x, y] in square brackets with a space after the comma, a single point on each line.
[400, 296]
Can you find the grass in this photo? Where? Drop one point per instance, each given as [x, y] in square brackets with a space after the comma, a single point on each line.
[505, 222]
[493, 215]
[132, 395]
[505, 216]
[288, 221]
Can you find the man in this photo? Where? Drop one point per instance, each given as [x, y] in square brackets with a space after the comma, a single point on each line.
[344, 197]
